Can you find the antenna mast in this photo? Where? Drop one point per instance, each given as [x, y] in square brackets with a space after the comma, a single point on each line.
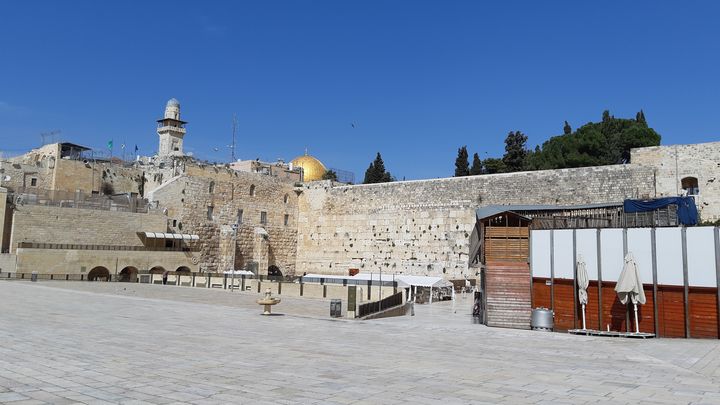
[52, 135]
[232, 146]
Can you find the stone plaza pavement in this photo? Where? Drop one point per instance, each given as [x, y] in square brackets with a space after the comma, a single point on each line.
[99, 343]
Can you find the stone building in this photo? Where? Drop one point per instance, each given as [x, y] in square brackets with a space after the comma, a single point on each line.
[264, 220]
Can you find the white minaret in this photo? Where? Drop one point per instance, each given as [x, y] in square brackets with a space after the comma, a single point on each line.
[171, 130]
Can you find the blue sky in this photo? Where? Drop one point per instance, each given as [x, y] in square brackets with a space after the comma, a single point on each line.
[420, 78]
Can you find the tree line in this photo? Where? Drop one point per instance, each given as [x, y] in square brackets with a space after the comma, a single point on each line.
[594, 144]
[606, 142]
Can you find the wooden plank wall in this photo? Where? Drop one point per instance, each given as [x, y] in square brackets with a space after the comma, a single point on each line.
[671, 310]
[507, 286]
[702, 305]
[703, 312]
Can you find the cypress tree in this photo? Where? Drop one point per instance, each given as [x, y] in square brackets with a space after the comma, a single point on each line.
[369, 175]
[462, 167]
[376, 172]
[640, 118]
[515, 151]
[477, 167]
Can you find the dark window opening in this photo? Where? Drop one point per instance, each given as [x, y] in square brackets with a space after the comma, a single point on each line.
[690, 185]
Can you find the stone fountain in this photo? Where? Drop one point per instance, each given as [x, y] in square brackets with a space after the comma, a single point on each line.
[268, 301]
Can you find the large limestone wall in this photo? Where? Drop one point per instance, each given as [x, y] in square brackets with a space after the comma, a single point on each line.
[675, 162]
[187, 198]
[423, 227]
[41, 224]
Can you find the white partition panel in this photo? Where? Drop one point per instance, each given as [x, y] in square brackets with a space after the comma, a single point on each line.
[669, 256]
[611, 246]
[563, 251]
[640, 244]
[540, 253]
[586, 245]
[701, 256]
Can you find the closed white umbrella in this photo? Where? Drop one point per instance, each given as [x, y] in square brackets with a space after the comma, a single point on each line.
[630, 287]
[583, 282]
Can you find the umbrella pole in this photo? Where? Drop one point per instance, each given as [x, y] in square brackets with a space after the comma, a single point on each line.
[583, 310]
[637, 327]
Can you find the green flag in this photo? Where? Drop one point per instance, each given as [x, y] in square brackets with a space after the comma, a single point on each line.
[110, 144]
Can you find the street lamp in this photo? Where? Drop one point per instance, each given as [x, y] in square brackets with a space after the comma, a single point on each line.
[232, 263]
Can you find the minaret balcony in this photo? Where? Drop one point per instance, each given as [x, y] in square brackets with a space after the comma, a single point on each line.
[169, 128]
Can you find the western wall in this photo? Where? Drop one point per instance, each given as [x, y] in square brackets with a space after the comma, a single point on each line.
[423, 227]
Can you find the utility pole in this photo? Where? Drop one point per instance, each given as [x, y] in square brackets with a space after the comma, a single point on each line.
[232, 146]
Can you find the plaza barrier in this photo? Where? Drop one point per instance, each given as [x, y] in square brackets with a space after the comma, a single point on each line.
[279, 285]
[370, 308]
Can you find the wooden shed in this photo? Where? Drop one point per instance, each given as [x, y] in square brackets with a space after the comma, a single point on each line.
[503, 238]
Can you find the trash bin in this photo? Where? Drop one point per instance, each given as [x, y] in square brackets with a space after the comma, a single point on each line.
[542, 319]
[335, 308]
[33, 276]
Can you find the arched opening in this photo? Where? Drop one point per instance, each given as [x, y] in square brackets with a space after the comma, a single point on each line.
[128, 274]
[183, 269]
[252, 190]
[274, 271]
[690, 185]
[99, 273]
[157, 270]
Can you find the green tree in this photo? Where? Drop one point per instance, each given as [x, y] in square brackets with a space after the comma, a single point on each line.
[567, 129]
[330, 175]
[370, 175]
[596, 143]
[640, 118]
[515, 151]
[462, 167]
[376, 172]
[477, 165]
[493, 165]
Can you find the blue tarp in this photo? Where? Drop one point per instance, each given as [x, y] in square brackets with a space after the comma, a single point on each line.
[686, 211]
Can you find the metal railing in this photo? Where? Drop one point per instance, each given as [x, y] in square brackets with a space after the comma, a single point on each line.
[73, 246]
[64, 199]
[369, 308]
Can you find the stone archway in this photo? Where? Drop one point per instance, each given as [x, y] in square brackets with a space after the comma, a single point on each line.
[157, 270]
[128, 274]
[183, 269]
[99, 273]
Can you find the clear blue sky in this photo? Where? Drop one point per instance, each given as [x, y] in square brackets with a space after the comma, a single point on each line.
[419, 78]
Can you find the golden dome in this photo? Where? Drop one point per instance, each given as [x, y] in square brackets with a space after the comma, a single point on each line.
[313, 169]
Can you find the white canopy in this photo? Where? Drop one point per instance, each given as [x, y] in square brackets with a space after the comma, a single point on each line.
[422, 281]
[403, 280]
[240, 272]
[165, 235]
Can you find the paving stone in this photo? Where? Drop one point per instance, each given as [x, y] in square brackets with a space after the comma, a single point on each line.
[95, 343]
